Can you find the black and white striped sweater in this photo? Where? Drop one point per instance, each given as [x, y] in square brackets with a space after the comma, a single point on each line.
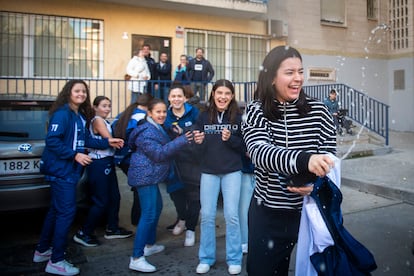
[282, 149]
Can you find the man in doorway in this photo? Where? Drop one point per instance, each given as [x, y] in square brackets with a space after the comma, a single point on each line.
[162, 74]
[146, 49]
[201, 72]
[139, 73]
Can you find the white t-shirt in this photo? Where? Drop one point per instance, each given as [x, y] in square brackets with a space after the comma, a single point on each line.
[100, 153]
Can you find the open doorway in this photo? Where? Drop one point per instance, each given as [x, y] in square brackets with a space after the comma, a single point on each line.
[158, 44]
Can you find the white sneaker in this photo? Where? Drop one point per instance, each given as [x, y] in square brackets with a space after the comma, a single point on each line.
[245, 248]
[202, 268]
[234, 269]
[156, 248]
[61, 268]
[189, 238]
[179, 227]
[141, 265]
[42, 257]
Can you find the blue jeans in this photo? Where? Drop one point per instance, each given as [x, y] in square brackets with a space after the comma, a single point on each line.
[151, 206]
[59, 218]
[210, 186]
[134, 96]
[162, 93]
[105, 195]
[200, 89]
[246, 192]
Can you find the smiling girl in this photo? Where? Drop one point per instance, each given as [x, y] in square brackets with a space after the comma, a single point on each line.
[102, 181]
[221, 170]
[181, 117]
[63, 162]
[152, 152]
[288, 136]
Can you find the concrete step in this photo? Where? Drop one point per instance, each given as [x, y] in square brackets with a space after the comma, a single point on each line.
[360, 143]
[356, 150]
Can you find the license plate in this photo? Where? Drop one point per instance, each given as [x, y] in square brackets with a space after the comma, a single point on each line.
[19, 166]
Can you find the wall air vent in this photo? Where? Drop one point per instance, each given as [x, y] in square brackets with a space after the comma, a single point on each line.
[321, 74]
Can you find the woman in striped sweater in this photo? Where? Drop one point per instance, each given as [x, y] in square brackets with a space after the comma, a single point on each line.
[288, 136]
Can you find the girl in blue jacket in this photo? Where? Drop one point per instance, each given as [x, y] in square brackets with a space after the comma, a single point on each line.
[63, 161]
[122, 126]
[152, 152]
[181, 117]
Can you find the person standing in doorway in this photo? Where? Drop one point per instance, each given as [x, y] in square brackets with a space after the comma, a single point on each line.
[201, 72]
[138, 69]
[146, 50]
[162, 74]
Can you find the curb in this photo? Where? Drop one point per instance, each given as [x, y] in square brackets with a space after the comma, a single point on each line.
[381, 190]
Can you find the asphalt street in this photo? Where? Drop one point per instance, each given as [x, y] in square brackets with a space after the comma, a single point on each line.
[385, 226]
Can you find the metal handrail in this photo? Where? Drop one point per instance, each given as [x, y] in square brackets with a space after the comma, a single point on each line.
[363, 109]
[115, 89]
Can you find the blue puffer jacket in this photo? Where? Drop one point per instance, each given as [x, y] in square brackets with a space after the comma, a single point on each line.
[347, 256]
[188, 159]
[123, 155]
[187, 123]
[152, 154]
[62, 144]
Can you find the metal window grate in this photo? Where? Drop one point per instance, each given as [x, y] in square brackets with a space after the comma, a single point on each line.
[399, 16]
[234, 56]
[36, 45]
[372, 9]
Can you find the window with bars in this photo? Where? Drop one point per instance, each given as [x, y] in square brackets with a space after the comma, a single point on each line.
[50, 46]
[372, 9]
[399, 15]
[236, 57]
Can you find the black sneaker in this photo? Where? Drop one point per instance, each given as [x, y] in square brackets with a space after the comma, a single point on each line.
[119, 233]
[171, 227]
[85, 240]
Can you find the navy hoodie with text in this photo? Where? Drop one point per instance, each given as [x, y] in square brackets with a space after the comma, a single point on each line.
[218, 156]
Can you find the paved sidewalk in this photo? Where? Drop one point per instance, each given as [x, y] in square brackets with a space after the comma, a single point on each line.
[390, 175]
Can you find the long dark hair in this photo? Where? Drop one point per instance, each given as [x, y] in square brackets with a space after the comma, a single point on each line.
[99, 99]
[122, 123]
[64, 95]
[154, 102]
[233, 108]
[266, 91]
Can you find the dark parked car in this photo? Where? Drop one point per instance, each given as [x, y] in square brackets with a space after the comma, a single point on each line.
[23, 127]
